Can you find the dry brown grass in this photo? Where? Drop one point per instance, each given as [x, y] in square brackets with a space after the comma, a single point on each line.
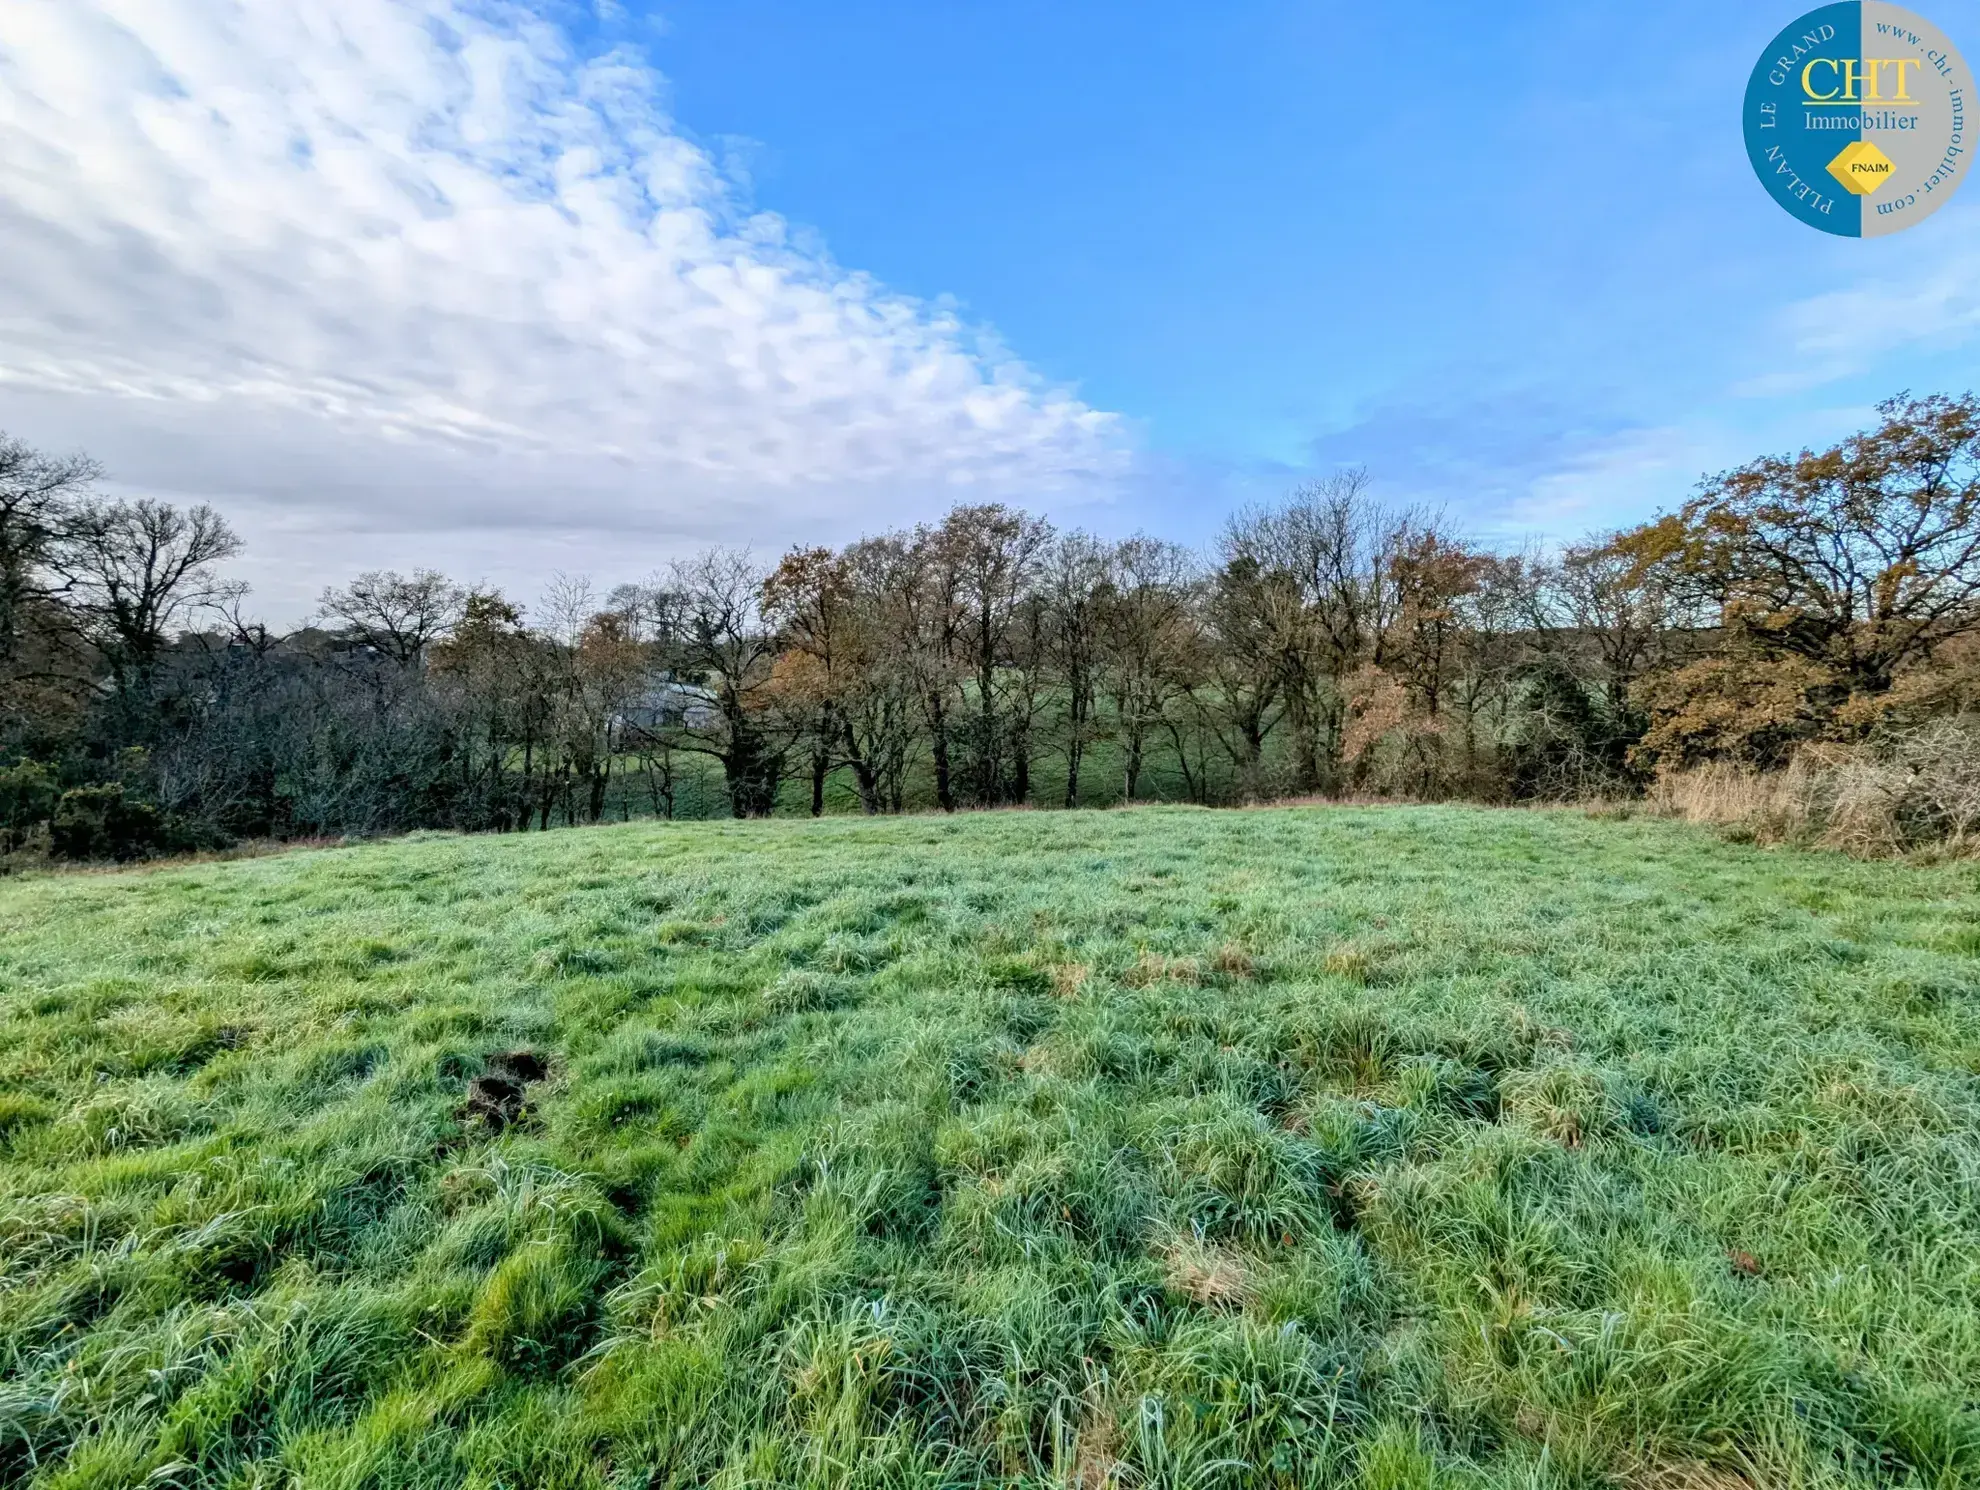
[1688, 1474]
[1724, 795]
[1068, 978]
[1352, 961]
[1151, 968]
[1096, 1457]
[1233, 961]
[1913, 790]
[1215, 1277]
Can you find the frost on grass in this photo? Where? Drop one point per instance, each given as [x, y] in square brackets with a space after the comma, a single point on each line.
[1425, 1148]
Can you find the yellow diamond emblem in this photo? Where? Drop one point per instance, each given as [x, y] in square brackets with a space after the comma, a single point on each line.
[1861, 167]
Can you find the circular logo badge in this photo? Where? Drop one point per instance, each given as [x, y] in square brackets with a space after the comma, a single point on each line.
[1859, 119]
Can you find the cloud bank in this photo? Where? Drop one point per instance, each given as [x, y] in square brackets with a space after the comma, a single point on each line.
[417, 267]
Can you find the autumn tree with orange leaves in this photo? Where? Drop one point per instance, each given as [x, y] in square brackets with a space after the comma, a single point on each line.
[1830, 581]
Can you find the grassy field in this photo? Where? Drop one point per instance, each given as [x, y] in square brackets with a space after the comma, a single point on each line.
[1398, 1148]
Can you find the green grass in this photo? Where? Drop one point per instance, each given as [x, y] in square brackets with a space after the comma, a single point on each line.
[1398, 1148]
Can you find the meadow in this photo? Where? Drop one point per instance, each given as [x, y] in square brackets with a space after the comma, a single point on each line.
[1399, 1148]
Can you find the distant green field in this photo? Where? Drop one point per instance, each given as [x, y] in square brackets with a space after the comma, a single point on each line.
[1389, 1148]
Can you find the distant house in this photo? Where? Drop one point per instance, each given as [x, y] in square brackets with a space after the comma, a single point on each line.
[668, 703]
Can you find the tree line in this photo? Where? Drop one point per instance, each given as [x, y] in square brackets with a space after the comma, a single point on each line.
[1327, 644]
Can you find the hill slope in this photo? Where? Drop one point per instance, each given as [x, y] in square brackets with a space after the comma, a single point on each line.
[1401, 1148]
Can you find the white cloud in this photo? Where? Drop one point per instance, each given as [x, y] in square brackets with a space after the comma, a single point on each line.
[1610, 480]
[1626, 477]
[354, 267]
[1920, 298]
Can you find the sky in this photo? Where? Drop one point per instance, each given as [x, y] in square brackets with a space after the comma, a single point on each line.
[583, 285]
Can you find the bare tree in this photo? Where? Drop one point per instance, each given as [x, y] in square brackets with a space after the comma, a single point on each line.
[610, 668]
[925, 604]
[43, 667]
[988, 556]
[488, 672]
[1237, 695]
[729, 644]
[649, 611]
[649, 614]
[808, 599]
[593, 667]
[1602, 623]
[1316, 568]
[896, 668]
[396, 615]
[1147, 634]
[136, 569]
[37, 493]
[1076, 586]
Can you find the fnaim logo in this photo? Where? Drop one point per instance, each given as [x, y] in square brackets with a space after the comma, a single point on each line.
[1858, 119]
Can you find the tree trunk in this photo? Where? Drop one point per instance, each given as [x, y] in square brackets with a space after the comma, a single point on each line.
[1075, 752]
[1182, 758]
[1306, 742]
[945, 790]
[986, 704]
[868, 786]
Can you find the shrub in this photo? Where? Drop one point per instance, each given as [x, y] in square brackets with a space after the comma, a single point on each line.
[100, 822]
[27, 799]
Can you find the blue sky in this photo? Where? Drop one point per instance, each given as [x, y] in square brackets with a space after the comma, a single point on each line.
[1473, 247]
[581, 284]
